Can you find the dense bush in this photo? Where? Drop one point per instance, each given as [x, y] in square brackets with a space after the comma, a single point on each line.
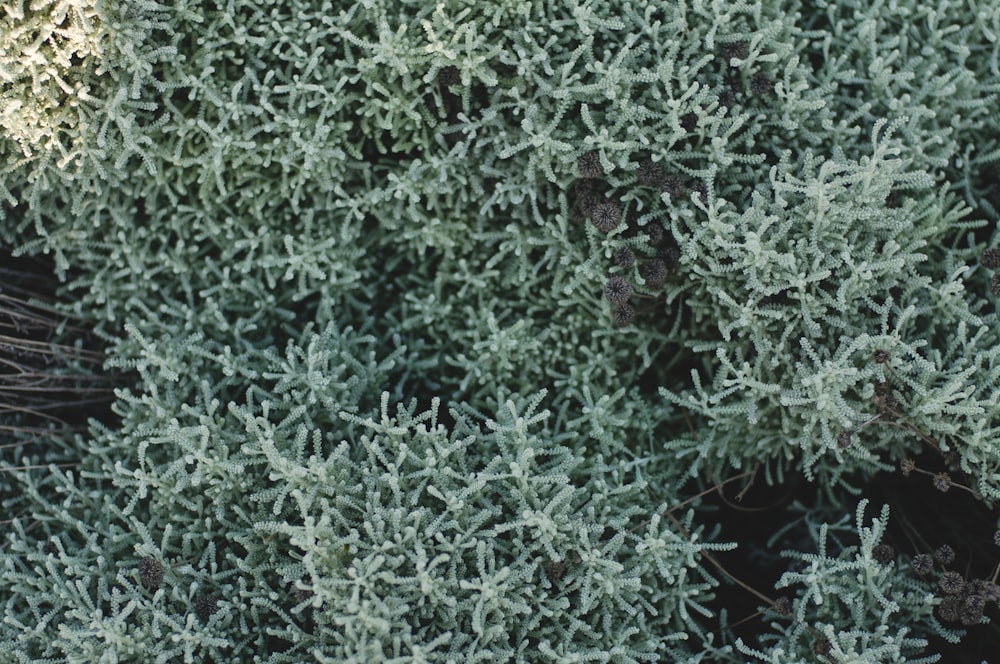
[433, 321]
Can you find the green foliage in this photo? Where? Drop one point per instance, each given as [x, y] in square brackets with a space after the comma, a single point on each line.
[382, 407]
[848, 603]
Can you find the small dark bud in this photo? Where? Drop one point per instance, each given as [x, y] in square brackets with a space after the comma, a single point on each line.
[650, 173]
[907, 466]
[606, 216]
[944, 555]
[844, 440]
[739, 50]
[884, 553]
[151, 572]
[760, 84]
[623, 315]
[990, 592]
[448, 76]
[583, 188]
[588, 203]
[942, 482]
[672, 185]
[205, 606]
[782, 606]
[554, 570]
[625, 257]
[671, 257]
[881, 356]
[590, 165]
[586, 199]
[991, 258]
[618, 290]
[654, 272]
[922, 564]
[951, 583]
[727, 98]
[654, 233]
[886, 403]
[995, 284]
[303, 595]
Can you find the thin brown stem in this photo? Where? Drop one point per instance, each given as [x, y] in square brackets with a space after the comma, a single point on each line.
[756, 593]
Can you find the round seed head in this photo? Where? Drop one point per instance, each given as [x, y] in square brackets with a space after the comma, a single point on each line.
[582, 188]
[995, 284]
[971, 611]
[625, 257]
[844, 440]
[907, 466]
[151, 572]
[760, 84]
[654, 233]
[884, 553]
[654, 272]
[991, 258]
[623, 315]
[554, 570]
[617, 289]
[649, 173]
[739, 50]
[881, 356]
[587, 203]
[948, 609]
[205, 606]
[944, 555]
[922, 564]
[671, 257]
[942, 482]
[975, 587]
[590, 165]
[951, 583]
[606, 216]
[782, 606]
[727, 98]
[996, 538]
[672, 185]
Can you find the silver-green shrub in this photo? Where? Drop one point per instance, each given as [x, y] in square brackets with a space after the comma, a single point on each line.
[382, 406]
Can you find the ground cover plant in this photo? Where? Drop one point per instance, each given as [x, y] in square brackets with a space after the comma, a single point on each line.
[503, 330]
